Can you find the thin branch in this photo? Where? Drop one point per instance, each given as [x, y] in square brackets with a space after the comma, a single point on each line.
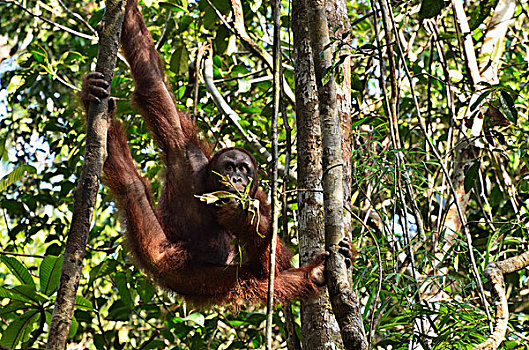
[450, 184]
[66, 29]
[494, 272]
[240, 31]
[22, 254]
[225, 108]
[79, 17]
[273, 185]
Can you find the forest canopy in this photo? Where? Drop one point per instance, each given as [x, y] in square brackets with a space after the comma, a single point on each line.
[433, 160]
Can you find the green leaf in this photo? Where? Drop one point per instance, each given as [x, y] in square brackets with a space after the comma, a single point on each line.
[356, 83]
[6, 293]
[18, 270]
[107, 267]
[123, 289]
[118, 311]
[179, 59]
[16, 175]
[172, 6]
[50, 273]
[196, 317]
[480, 99]
[507, 105]
[483, 11]
[82, 303]
[28, 292]
[73, 327]
[3, 152]
[13, 306]
[145, 290]
[431, 8]
[19, 330]
[471, 176]
[326, 77]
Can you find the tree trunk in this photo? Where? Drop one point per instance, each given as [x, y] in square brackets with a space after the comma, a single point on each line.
[109, 32]
[318, 324]
[344, 302]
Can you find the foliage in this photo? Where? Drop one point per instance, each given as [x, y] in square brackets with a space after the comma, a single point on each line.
[42, 137]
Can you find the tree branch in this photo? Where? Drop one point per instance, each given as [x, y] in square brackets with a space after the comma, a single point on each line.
[494, 272]
[86, 193]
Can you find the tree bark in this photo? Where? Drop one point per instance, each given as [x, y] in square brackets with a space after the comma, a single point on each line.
[319, 328]
[344, 302]
[109, 31]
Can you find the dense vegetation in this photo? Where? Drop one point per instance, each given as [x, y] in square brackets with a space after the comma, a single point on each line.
[415, 278]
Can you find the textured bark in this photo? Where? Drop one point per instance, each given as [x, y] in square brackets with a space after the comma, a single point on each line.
[338, 23]
[109, 31]
[344, 302]
[319, 328]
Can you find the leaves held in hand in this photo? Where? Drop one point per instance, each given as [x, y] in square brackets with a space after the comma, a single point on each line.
[221, 198]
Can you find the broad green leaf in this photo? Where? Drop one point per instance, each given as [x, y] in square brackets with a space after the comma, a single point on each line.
[18, 270]
[123, 289]
[507, 105]
[107, 267]
[5, 293]
[172, 6]
[482, 12]
[3, 151]
[18, 173]
[29, 292]
[179, 59]
[196, 317]
[50, 273]
[19, 329]
[83, 303]
[145, 290]
[431, 8]
[480, 99]
[471, 176]
[118, 311]
[73, 327]
[326, 76]
[13, 306]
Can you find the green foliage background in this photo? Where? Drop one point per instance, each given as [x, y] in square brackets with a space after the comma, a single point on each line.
[42, 135]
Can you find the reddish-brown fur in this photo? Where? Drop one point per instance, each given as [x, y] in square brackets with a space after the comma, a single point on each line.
[184, 244]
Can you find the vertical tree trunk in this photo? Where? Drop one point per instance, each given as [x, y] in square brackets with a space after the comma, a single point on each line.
[318, 324]
[344, 302]
[338, 23]
[109, 32]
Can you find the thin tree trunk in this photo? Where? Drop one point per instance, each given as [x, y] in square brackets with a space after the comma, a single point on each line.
[273, 183]
[318, 324]
[109, 32]
[344, 302]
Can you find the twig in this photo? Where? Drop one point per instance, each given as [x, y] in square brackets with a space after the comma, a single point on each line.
[71, 31]
[164, 29]
[22, 254]
[79, 17]
[225, 108]
[449, 181]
